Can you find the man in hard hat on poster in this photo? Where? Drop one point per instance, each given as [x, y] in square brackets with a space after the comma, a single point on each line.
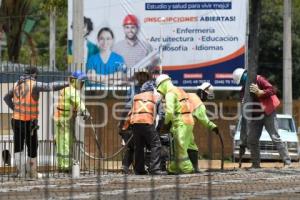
[263, 114]
[198, 110]
[69, 102]
[132, 49]
[178, 114]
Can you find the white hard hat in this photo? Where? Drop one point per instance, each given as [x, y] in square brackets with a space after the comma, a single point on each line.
[237, 75]
[141, 70]
[161, 78]
[206, 86]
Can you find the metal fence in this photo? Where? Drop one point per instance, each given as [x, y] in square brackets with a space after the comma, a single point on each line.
[97, 148]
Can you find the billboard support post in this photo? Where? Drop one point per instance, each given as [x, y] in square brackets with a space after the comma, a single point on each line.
[161, 45]
[78, 41]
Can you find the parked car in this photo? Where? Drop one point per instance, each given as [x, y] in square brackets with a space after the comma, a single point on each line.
[268, 151]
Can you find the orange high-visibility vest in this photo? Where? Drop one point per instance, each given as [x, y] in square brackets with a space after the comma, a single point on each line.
[127, 121]
[185, 105]
[143, 108]
[25, 106]
[194, 100]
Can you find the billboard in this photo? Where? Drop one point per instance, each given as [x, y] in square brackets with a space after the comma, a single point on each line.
[193, 41]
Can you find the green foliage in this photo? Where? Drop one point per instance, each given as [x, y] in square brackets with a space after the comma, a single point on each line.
[35, 49]
[61, 6]
[271, 44]
[41, 39]
[13, 15]
[296, 48]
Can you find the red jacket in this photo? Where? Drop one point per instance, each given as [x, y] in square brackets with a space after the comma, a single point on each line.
[267, 98]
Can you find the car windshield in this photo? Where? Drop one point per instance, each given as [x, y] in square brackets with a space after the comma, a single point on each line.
[286, 124]
[283, 124]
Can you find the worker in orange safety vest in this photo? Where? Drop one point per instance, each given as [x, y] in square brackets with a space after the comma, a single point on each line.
[145, 107]
[198, 110]
[23, 100]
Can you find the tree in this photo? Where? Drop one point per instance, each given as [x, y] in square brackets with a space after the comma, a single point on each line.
[61, 6]
[13, 14]
[32, 47]
[296, 48]
[52, 7]
[271, 43]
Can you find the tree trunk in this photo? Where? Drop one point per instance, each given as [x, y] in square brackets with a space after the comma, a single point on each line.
[14, 14]
[52, 42]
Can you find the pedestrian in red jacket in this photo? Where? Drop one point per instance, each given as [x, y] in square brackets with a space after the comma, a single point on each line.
[263, 114]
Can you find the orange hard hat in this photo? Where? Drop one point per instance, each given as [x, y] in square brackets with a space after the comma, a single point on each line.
[130, 20]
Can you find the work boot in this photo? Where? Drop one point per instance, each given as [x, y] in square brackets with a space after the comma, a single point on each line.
[20, 164]
[125, 169]
[127, 160]
[158, 173]
[193, 156]
[31, 171]
[255, 166]
[287, 164]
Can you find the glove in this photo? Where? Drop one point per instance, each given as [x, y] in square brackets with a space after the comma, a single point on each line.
[216, 130]
[34, 126]
[254, 89]
[86, 115]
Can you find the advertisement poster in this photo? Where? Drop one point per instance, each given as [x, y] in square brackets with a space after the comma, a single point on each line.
[193, 41]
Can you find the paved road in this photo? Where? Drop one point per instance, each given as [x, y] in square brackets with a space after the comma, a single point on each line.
[266, 183]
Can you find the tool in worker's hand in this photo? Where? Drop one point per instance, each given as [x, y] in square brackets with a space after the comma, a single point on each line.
[96, 137]
[222, 151]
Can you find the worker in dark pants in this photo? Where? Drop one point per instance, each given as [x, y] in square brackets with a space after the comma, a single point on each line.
[23, 99]
[127, 159]
[145, 108]
[125, 132]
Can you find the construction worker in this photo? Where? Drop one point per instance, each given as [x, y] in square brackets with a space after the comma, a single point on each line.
[23, 99]
[145, 107]
[263, 114]
[140, 77]
[69, 102]
[198, 110]
[178, 116]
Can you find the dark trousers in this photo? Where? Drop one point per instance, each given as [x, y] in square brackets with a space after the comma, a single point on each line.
[146, 135]
[127, 159]
[23, 132]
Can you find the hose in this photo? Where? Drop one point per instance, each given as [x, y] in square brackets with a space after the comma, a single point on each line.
[222, 151]
[241, 153]
[81, 146]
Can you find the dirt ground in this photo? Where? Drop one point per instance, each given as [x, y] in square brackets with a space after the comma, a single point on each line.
[272, 181]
